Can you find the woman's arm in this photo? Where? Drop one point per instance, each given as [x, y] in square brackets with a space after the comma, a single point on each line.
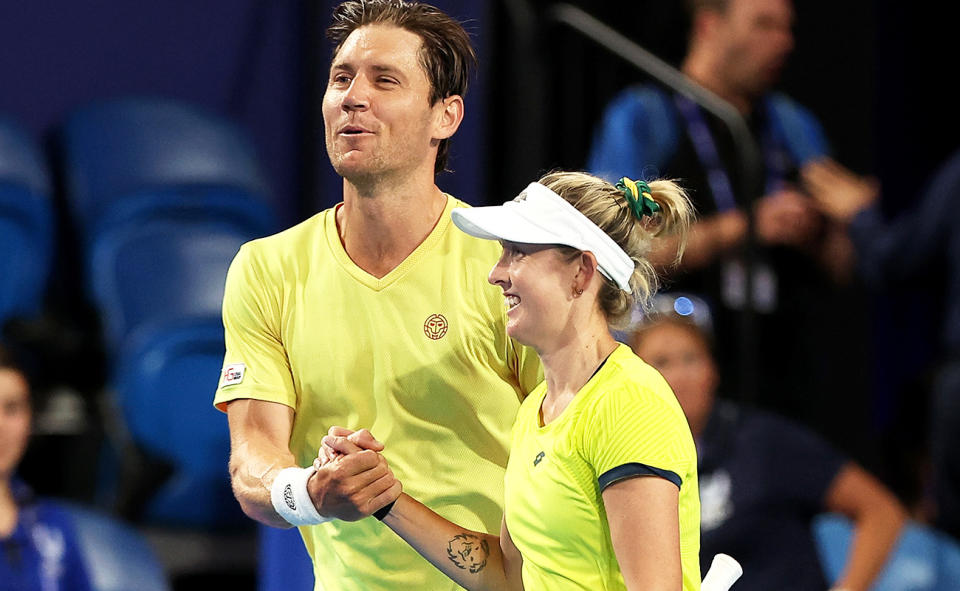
[644, 516]
[475, 560]
[877, 519]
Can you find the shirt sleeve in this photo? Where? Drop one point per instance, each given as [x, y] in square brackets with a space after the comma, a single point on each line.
[910, 243]
[255, 364]
[635, 431]
[619, 140]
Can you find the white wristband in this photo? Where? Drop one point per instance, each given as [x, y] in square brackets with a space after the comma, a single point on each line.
[291, 500]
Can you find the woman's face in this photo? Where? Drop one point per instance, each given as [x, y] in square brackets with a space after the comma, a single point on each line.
[682, 356]
[537, 283]
[14, 420]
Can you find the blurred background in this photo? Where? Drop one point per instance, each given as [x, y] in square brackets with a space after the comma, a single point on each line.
[120, 333]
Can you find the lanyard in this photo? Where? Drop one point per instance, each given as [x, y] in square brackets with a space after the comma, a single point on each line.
[775, 157]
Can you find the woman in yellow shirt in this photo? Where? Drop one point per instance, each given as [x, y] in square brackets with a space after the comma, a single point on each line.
[601, 485]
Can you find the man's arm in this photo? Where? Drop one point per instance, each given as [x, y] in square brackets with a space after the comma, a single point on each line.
[709, 238]
[785, 217]
[259, 449]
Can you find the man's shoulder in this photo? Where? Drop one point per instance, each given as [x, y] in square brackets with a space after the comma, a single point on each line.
[798, 126]
[641, 100]
[477, 246]
[786, 106]
[307, 229]
[291, 241]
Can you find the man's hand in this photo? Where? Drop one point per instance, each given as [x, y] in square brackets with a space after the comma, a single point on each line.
[786, 217]
[838, 193]
[352, 480]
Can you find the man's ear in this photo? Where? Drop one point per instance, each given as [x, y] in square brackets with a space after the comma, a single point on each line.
[448, 117]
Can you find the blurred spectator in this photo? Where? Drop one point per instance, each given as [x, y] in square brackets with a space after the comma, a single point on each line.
[922, 240]
[40, 547]
[763, 478]
[737, 49]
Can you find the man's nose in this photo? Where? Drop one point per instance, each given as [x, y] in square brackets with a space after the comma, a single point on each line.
[357, 97]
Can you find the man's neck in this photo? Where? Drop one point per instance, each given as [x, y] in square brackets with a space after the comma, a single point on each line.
[704, 70]
[381, 224]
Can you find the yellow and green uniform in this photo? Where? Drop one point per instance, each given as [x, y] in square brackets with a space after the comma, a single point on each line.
[420, 357]
[625, 422]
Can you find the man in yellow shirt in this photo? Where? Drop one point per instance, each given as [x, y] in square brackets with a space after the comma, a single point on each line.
[375, 313]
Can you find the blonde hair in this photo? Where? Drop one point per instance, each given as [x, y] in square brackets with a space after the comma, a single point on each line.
[606, 206]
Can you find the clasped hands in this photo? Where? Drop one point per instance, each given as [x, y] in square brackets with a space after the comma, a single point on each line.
[352, 479]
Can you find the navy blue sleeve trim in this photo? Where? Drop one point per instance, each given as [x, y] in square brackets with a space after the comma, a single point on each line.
[633, 469]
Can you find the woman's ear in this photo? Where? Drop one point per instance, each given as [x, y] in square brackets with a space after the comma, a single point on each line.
[586, 271]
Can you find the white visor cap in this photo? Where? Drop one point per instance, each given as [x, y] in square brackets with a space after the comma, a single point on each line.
[540, 216]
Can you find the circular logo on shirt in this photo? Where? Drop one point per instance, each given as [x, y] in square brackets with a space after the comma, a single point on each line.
[435, 326]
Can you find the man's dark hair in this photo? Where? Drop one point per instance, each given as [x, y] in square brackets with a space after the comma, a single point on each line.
[445, 54]
[695, 6]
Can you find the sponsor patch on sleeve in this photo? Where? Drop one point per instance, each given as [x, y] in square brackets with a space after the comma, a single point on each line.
[232, 374]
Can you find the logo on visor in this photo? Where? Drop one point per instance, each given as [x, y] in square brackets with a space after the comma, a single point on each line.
[435, 326]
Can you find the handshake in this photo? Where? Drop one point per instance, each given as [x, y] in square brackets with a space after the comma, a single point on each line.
[351, 478]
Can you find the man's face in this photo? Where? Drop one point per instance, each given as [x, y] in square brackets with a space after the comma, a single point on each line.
[756, 38]
[376, 110]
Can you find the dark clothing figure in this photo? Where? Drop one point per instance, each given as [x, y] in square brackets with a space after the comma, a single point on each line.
[762, 481]
[924, 244]
[808, 353]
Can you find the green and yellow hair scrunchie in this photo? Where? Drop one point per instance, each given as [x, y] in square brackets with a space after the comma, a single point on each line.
[639, 197]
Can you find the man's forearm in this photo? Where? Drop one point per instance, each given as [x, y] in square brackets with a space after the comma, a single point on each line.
[259, 450]
[709, 239]
[252, 475]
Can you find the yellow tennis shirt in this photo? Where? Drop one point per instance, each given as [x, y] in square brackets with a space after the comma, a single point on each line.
[625, 422]
[420, 357]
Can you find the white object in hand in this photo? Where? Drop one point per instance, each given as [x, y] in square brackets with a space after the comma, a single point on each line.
[723, 573]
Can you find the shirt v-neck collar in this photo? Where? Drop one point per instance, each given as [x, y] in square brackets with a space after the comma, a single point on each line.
[583, 393]
[395, 274]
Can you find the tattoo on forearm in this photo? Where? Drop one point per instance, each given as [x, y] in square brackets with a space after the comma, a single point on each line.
[468, 552]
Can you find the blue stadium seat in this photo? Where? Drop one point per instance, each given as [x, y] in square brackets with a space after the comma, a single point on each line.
[923, 558]
[284, 563]
[26, 222]
[117, 556]
[133, 159]
[160, 272]
[159, 289]
[164, 386]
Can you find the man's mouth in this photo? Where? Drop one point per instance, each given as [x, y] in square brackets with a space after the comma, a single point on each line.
[353, 130]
